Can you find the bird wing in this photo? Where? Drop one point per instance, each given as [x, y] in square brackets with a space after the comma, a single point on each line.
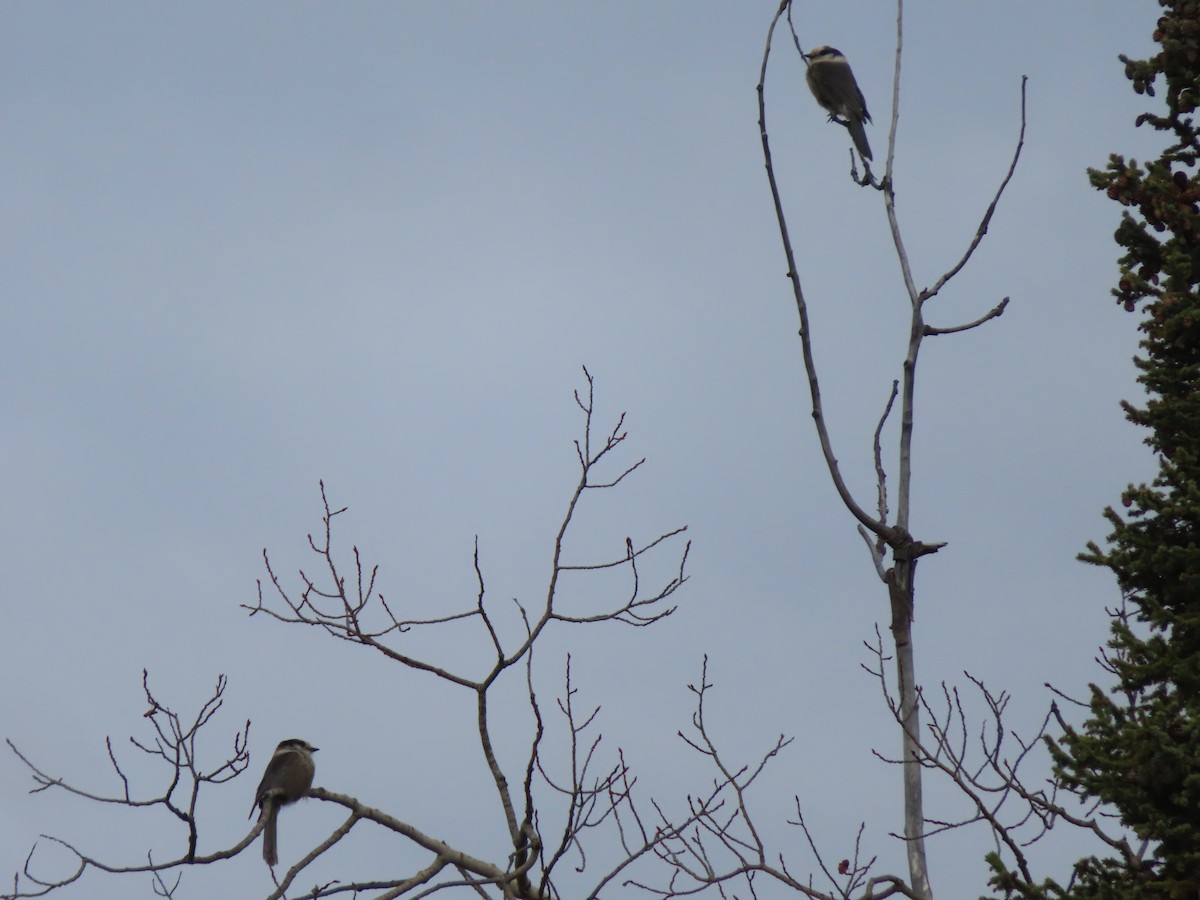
[278, 761]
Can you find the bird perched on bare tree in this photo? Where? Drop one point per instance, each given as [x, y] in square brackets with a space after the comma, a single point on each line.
[288, 777]
[832, 83]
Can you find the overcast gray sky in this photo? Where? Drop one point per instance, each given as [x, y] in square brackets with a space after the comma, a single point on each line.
[248, 246]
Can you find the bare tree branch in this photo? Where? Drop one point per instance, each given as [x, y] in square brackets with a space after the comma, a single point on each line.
[987, 216]
[725, 849]
[1016, 814]
[835, 474]
[174, 746]
[992, 313]
[343, 599]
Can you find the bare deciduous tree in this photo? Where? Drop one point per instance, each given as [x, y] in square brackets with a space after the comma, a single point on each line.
[894, 551]
[551, 809]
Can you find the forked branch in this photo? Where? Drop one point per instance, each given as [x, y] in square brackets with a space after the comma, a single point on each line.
[878, 531]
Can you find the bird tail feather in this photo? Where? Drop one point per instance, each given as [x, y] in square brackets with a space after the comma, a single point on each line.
[859, 136]
[270, 849]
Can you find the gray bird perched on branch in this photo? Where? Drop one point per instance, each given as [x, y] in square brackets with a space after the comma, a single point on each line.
[832, 83]
[288, 777]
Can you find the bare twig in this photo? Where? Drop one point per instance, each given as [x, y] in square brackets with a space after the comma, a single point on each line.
[173, 744]
[990, 779]
[994, 312]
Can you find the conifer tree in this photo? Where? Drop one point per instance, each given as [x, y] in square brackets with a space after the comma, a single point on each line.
[1138, 753]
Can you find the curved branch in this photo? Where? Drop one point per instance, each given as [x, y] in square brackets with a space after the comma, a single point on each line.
[987, 216]
[881, 529]
[993, 313]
